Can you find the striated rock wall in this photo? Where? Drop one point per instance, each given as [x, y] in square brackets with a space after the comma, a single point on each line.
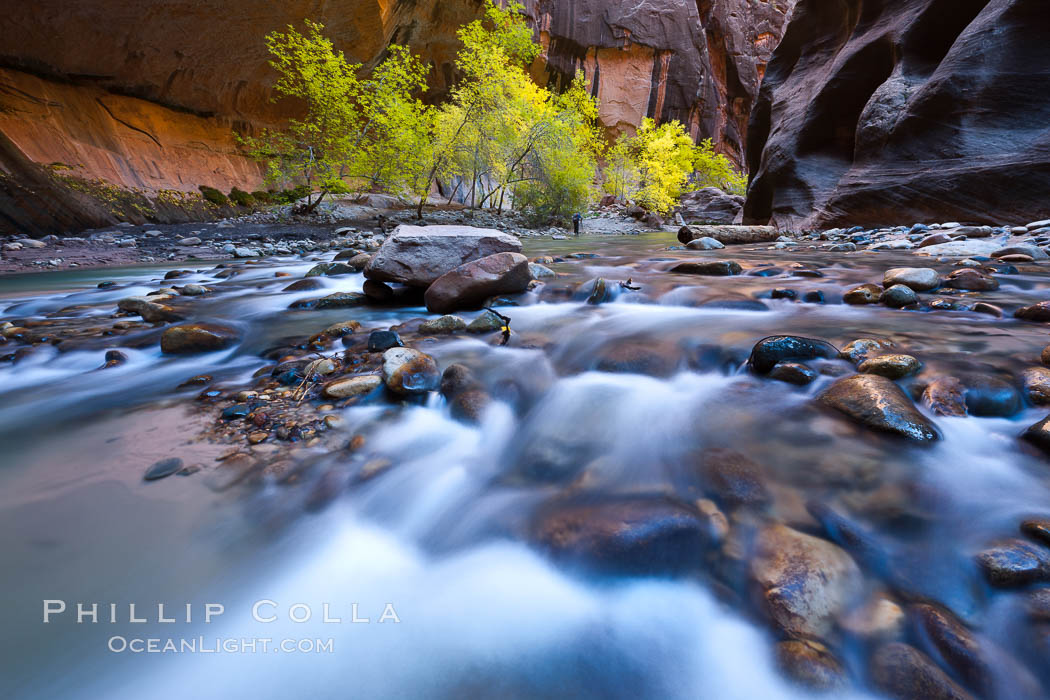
[877, 112]
[697, 61]
[147, 94]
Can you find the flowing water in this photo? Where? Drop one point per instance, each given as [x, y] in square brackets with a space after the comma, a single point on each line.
[436, 537]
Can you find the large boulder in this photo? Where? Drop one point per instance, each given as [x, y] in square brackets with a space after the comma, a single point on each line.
[418, 255]
[896, 112]
[710, 205]
[468, 285]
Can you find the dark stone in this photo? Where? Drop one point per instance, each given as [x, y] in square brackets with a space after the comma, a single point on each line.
[304, 285]
[898, 296]
[990, 396]
[779, 348]
[330, 269]
[732, 304]
[946, 396]
[792, 373]
[468, 285]
[732, 478]
[1037, 529]
[904, 672]
[643, 535]
[1039, 312]
[1014, 563]
[238, 410]
[784, 294]
[815, 297]
[715, 268]
[197, 337]
[163, 468]
[380, 341]
[341, 300]
[971, 280]
[810, 664]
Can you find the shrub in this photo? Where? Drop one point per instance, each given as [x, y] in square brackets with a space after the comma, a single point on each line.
[292, 195]
[241, 198]
[214, 196]
[262, 196]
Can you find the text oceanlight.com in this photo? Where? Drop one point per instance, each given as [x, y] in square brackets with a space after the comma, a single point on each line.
[220, 645]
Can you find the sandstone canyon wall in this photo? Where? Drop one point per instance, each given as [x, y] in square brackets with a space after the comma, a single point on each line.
[881, 112]
[147, 94]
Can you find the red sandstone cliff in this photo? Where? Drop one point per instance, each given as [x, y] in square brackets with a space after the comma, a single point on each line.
[147, 95]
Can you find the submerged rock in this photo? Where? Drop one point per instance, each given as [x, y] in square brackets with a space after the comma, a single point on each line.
[380, 340]
[945, 396]
[904, 672]
[898, 296]
[732, 478]
[810, 664]
[163, 468]
[643, 535]
[470, 284]
[780, 348]
[1013, 563]
[792, 373]
[714, 268]
[197, 337]
[879, 404]
[805, 581]
[971, 280]
[442, 325]
[1036, 312]
[151, 310]
[862, 348]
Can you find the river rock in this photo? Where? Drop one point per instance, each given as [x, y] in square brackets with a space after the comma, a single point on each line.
[858, 350]
[728, 235]
[486, 322]
[540, 272]
[163, 468]
[443, 325]
[705, 243]
[343, 328]
[805, 581]
[898, 296]
[879, 404]
[1044, 356]
[197, 337]
[904, 672]
[890, 366]
[945, 396]
[971, 280]
[644, 535]
[329, 269]
[863, 294]
[990, 396]
[780, 348]
[408, 371]
[792, 373]
[732, 478]
[470, 284]
[418, 255]
[714, 268]
[382, 340]
[304, 285]
[649, 357]
[345, 387]
[342, 300]
[1039, 312]
[810, 664]
[1015, 562]
[151, 310]
[1039, 434]
[919, 279]
[1036, 384]
[1032, 251]
[193, 290]
[978, 661]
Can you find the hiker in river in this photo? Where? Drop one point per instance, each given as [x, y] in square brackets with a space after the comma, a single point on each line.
[576, 219]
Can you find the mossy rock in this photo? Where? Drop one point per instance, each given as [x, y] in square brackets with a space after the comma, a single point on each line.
[241, 198]
[214, 196]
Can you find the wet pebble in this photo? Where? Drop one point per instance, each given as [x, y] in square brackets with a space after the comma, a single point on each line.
[792, 373]
[715, 268]
[810, 664]
[879, 404]
[902, 671]
[863, 294]
[919, 279]
[408, 371]
[346, 387]
[380, 341]
[1014, 563]
[780, 348]
[163, 468]
[898, 296]
[890, 366]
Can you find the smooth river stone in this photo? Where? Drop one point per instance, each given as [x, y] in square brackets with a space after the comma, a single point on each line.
[879, 404]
